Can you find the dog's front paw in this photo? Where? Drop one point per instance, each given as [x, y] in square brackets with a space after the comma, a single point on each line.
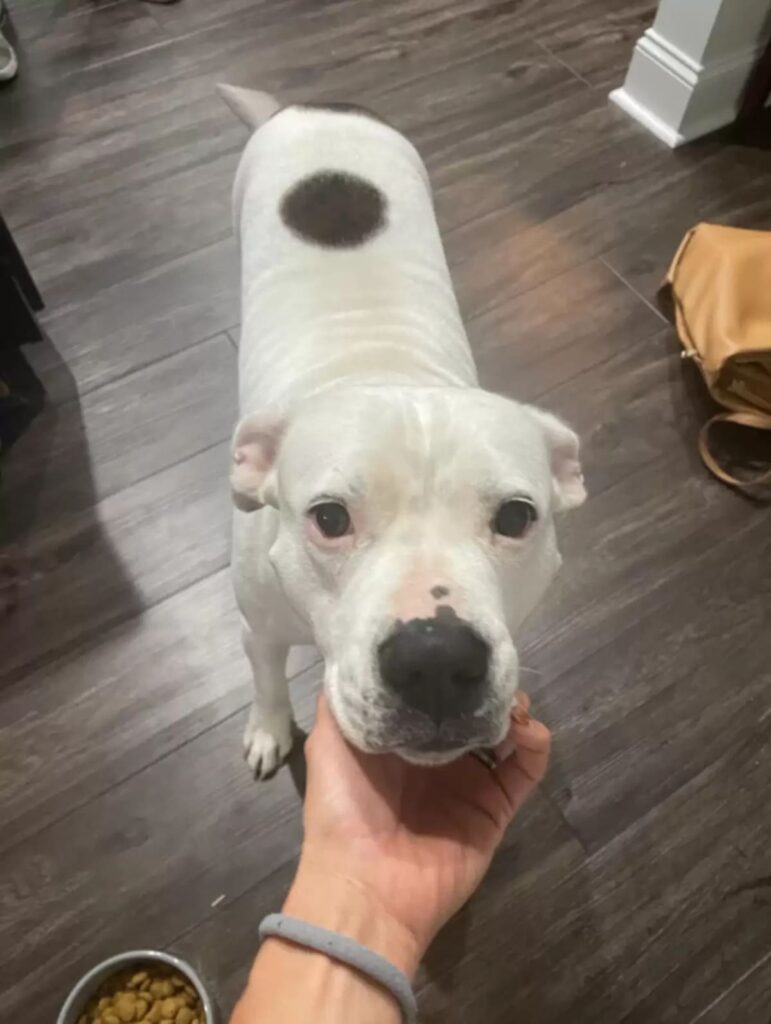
[267, 743]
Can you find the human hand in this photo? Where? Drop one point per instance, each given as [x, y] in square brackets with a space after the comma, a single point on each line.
[397, 849]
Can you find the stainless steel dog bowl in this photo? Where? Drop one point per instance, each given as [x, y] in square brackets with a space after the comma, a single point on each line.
[76, 1001]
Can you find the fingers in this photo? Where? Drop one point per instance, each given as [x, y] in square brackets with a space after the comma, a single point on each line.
[520, 772]
[520, 715]
[323, 728]
[323, 714]
[523, 701]
[326, 738]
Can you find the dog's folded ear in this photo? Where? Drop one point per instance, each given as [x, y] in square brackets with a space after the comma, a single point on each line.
[255, 445]
[563, 448]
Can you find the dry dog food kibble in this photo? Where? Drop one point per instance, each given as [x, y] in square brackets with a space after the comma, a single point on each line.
[156, 994]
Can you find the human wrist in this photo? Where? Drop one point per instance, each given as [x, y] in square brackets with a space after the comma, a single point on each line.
[294, 983]
[336, 901]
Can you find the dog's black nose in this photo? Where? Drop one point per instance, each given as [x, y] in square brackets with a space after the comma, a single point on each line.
[438, 666]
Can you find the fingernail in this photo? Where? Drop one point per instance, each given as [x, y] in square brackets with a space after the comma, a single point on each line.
[521, 716]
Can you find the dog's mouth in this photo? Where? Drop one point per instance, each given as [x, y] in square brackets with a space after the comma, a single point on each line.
[435, 751]
[416, 738]
[378, 723]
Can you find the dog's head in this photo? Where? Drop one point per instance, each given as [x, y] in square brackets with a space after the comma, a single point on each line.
[415, 534]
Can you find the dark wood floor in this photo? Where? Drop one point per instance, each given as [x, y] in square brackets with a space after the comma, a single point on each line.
[635, 887]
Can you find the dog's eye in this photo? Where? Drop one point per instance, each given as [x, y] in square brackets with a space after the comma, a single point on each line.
[514, 518]
[332, 519]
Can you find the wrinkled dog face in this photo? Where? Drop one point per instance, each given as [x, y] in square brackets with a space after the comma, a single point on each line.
[415, 534]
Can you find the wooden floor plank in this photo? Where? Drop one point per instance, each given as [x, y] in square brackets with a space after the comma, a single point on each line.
[105, 564]
[584, 209]
[624, 552]
[726, 194]
[60, 901]
[542, 338]
[180, 214]
[598, 47]
[648, 929]
[147, 687]
[140, 320]
[153, 136]
[748, 1000]
[75, 455]
[52, 36]
[414, 23]
[659, 702]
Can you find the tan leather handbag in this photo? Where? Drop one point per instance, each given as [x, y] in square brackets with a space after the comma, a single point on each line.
[718, 289]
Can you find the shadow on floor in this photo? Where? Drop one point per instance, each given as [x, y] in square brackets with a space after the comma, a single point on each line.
[61, 578]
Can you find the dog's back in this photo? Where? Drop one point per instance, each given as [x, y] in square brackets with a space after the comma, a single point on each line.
[343, 272]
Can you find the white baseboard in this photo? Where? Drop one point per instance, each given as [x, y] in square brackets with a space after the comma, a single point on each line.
[676, 98]
[646, 117]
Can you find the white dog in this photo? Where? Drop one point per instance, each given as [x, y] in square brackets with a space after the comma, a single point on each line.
[407, 516]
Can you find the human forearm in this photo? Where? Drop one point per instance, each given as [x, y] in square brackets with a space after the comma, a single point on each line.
[291, 985]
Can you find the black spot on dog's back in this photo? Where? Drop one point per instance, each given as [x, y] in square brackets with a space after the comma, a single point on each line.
[439, 591]
[334, 209]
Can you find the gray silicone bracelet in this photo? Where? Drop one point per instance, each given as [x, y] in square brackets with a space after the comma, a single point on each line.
[347, 951]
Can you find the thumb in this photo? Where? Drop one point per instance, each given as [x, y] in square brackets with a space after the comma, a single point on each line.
[521, 772]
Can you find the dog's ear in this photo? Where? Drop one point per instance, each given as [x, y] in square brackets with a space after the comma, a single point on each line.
[255, 445]
[563, 447]
[250, 106]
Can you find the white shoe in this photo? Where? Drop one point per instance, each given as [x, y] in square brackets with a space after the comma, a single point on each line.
[8, 63]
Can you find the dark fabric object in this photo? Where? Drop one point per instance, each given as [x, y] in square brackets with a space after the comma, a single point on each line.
[18, 323]
[21, 396]
[758, 87]
[21, 393]
[12, 267]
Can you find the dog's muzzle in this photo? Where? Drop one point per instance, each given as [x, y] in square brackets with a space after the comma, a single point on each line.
[439, 668]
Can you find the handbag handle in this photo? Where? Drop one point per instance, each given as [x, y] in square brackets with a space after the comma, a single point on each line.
[756, 420]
